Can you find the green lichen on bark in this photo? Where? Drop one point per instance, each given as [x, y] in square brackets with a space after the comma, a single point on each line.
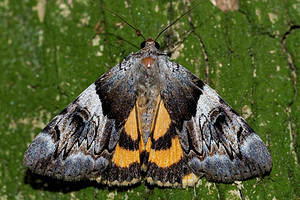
[50, 52]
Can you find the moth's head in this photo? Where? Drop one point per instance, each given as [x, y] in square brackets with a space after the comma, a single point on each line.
[149, 43]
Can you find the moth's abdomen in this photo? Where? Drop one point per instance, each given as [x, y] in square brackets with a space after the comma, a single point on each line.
[148, 92]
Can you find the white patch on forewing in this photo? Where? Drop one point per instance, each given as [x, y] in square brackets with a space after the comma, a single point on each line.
[90, 100]
[207, 101]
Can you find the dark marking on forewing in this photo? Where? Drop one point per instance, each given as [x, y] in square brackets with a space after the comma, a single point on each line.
[180, 91]
[117, 92]
[56, 135]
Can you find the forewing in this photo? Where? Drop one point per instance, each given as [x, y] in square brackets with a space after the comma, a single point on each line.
[82, 142]
[216, 141]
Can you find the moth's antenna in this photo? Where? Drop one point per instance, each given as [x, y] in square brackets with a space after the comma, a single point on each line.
[137, 31]
[176, 20]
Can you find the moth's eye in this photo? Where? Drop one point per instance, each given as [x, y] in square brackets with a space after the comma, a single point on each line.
[143, 44]
[157, 45]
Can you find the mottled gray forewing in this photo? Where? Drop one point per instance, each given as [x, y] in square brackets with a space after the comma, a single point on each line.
[217, 142]
[78, 143]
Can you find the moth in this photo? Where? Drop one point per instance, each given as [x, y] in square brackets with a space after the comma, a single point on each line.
[150, 117]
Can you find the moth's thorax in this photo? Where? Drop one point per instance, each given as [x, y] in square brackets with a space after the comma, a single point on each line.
[148, 61]
[148, 92]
